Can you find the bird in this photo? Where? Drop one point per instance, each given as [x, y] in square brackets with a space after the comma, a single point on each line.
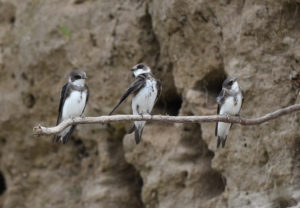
[146, 91]
[230, 102]
[296, 78]
[73, 100]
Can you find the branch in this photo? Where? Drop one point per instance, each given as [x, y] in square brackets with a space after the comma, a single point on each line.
[40, 130]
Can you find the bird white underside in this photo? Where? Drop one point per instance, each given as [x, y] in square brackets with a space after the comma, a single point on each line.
[235, 87]
[141, 71]
[145, 99]
[73, 107]
[228, 108]
[78, 82]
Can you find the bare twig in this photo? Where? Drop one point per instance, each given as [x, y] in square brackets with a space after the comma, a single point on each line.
[40, 130]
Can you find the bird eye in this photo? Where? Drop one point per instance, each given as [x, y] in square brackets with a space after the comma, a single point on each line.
[230, 83]
[77, 77]
[140, 66]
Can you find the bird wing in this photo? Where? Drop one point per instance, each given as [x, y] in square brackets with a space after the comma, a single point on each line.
[159, 89]
[63, 97]
[242, 101]
[139, 83]
[87, 96]
[220, 100]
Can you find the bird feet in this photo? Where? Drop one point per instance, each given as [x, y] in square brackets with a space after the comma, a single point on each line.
[240, 118]
[141, 114]
[228, 116]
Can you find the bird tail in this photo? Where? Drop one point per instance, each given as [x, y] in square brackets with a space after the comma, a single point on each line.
[64, 139]
[56, 139]
[221, 141]
[131, 129]
[138, 135]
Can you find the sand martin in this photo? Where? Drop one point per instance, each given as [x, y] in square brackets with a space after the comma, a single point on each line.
[229, 102]
[296, 78]
[73, 99]
[146, 90]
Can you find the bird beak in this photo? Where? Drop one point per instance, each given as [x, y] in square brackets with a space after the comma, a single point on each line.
[85, 77]
[132, 69]
[296, 77]
[235, 79]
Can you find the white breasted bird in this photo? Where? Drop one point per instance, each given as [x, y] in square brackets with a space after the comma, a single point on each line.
[146, 90]
[230, 102]
[74, 96]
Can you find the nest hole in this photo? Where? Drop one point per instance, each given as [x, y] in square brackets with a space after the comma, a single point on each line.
[170, 105]
[212, 82]
[2, 184]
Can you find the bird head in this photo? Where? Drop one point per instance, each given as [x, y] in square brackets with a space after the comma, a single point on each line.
[140, 69]
[77, 77]
[231, 84]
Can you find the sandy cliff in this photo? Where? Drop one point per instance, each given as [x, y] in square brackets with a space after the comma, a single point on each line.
[191, 45]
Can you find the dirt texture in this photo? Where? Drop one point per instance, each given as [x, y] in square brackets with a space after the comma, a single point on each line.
[191, 46]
